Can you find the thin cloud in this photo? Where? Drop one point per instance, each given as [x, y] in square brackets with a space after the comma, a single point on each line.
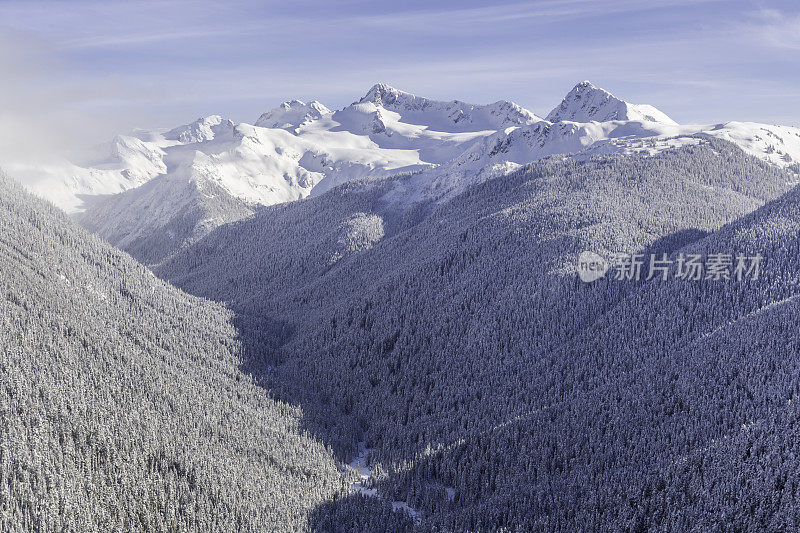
[47, 113]
[102, 41]
[546, 11]
[777, 29]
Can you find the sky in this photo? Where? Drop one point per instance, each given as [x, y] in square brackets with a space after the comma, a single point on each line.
[79, 70]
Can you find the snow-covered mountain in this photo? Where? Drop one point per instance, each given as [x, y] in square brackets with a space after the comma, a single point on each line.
[298, 149]
[291, 151]
[587, 103]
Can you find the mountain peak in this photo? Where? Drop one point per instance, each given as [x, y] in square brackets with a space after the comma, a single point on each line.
[586, 88]
[292, 114]
[586, 84]
[587, 102]
[289, 104]
[202, 129]
[383, 94]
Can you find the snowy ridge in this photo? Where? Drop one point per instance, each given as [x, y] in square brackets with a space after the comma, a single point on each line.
[779, 145]
[452, 116]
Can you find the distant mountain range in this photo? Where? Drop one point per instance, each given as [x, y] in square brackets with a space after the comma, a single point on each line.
[213, 171]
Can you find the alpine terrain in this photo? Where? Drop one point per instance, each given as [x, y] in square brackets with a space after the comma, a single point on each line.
[377, 318]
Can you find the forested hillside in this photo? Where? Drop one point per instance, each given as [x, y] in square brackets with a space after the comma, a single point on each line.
[122, 402]
[713, 429]
[496, 389]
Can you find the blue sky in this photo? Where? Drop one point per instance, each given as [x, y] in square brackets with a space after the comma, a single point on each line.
[161, 63]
